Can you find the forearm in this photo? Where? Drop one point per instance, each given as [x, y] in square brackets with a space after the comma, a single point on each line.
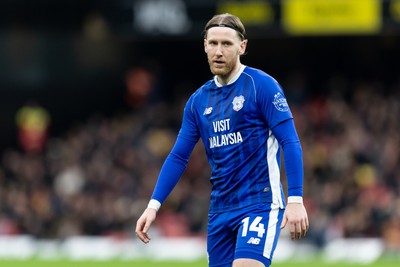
[170, 174]
[293, 159]
[294, 171]
[171, 171]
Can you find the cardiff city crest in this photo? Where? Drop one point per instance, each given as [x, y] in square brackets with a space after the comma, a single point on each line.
[238, 103]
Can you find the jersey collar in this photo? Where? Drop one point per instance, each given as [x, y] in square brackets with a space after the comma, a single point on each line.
[234, 78]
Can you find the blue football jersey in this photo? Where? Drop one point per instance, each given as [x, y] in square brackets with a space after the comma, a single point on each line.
[234, 122]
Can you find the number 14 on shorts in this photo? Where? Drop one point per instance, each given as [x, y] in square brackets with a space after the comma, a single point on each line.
[254, 226]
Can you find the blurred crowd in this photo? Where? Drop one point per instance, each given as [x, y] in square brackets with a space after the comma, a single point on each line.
[98, 177]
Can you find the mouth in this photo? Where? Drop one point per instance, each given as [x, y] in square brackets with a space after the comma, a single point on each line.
[218, 63]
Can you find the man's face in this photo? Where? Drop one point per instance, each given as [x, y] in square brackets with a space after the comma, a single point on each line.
[223, 47]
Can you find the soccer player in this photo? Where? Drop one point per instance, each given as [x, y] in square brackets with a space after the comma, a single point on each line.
[244, 121]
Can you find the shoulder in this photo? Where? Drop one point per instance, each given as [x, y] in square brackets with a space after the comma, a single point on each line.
[198, 95]
[259, 76]
[265, 86]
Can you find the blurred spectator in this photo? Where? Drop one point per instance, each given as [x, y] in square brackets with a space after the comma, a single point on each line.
[139, 86]
[391, 236]
[33, 123]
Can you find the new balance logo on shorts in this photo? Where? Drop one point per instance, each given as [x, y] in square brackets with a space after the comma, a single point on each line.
[254, 240]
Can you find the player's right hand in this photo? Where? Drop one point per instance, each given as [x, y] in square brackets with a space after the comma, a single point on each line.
[144, 223]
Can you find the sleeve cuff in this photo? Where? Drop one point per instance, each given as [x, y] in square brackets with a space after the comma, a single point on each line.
[154, 204]
[295, 199]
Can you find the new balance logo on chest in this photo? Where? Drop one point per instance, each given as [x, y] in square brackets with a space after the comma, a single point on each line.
[207, 111]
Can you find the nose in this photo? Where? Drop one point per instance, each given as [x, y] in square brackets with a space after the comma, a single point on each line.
[218, 52]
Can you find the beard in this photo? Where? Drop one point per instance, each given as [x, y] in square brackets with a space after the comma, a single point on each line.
[222, 69]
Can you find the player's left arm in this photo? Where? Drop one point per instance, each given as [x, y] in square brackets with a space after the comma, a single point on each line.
[273, 105]
[295, 213]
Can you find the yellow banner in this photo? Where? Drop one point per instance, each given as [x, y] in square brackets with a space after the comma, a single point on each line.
[251, 12]
[395, 10]
[318, 17]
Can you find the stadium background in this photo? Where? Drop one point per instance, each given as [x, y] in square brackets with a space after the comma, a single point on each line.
[91, 97]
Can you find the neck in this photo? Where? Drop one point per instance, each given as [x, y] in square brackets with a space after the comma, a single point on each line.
[224, 79]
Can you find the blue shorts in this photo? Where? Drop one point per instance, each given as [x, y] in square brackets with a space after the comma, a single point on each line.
[251, 233]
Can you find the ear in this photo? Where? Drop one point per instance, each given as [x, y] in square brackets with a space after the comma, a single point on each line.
[243, 46]
[205, 45]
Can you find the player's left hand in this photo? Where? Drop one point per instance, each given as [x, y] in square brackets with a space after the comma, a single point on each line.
[296, 216]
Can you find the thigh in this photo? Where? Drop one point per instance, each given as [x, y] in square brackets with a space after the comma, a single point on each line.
[258, 234]
[221, 240]
[248, 263]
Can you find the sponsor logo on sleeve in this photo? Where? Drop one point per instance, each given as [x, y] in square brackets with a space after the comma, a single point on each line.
[280, 102]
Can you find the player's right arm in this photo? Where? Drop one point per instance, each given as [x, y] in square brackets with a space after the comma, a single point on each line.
[144, 223]
[170, 173]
